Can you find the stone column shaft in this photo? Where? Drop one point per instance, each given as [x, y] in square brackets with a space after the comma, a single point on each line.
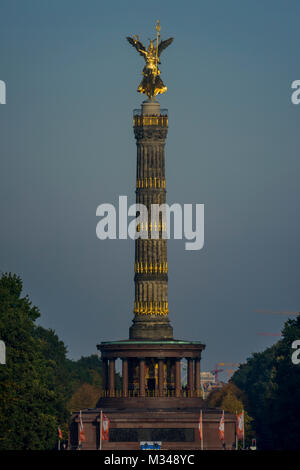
[142, 377]
[151, 268]
[161, 377]
[111, 376]
[197, 377]
[190, 375]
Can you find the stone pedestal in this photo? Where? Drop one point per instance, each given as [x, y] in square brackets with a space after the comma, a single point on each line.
[153, 405]
[176, 429]
[150, 329]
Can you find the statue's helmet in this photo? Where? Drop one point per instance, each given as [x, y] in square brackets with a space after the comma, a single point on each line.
[151, 46]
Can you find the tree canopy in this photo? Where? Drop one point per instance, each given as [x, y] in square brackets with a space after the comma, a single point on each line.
[39, 385]
[31, 405]
[271, 384]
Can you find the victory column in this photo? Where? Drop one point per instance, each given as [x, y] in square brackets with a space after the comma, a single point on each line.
[153, 404]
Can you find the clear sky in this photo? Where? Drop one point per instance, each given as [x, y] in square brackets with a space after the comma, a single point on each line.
[67, 146]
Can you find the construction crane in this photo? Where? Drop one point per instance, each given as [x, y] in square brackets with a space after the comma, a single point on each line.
[262, 333]
[231, 367]
[228, 364]
[271, 312]
[216, 371]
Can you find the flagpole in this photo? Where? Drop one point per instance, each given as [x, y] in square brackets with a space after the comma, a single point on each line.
[202, 433]
[101, 419]
[243, 430]
[59, 434]
[224, 430]
[80, 421]
[236, 434]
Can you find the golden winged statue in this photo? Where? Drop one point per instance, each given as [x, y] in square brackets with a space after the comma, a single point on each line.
[151, 84]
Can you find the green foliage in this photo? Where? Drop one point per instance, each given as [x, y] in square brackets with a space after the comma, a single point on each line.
[86, 396]
[39, 385]
[38, 380]
[30, 405]
[230, 398]
[271, 383]
[87, 381]
[86, 370]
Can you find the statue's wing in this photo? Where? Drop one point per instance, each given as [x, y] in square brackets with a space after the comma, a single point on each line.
[164, 44]
[138, 45]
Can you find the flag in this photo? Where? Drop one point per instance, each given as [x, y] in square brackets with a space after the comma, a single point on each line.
[200, 427]
[81, 430]
[105, 428]
[60, 436]
[240, 426]
[222, 428]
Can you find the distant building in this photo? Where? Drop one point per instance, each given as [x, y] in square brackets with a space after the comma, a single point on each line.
[207, 378]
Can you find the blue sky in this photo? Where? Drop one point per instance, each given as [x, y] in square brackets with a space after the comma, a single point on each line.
[67, 146]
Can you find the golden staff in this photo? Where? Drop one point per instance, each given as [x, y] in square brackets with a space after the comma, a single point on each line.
[157, 39]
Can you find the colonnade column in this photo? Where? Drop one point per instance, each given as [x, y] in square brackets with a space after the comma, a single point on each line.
[190, 376]
[161, 377]
[177, 378]
[142, 377]
[197, 376]
[111, 377]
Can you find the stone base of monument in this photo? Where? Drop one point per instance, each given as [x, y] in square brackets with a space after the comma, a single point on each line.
[176, 429]
[152, 404]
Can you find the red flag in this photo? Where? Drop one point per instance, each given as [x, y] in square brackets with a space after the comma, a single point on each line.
[200, 427]
[81, 431]
[105, 428]
[240, 426]
[222, 428]
[60, 436]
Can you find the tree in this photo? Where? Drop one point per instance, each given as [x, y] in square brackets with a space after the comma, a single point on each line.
[86, 370]
[30, 406]
[86, 396]
[271, 383]
[39, 385]
[230, 398]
